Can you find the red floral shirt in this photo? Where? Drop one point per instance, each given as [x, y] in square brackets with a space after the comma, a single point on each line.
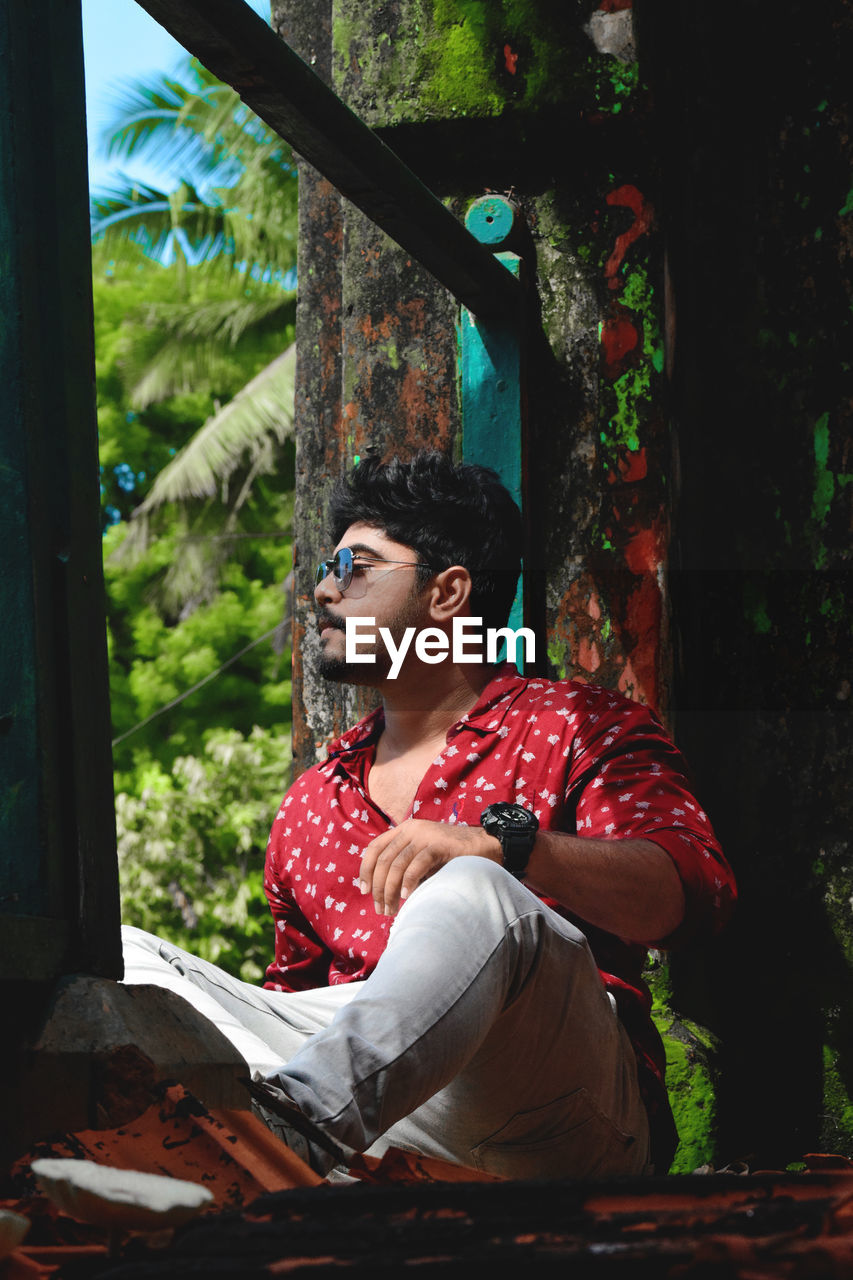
[584, 759]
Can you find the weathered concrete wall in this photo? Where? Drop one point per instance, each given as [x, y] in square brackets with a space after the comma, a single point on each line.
[473, 97]
[690, 485]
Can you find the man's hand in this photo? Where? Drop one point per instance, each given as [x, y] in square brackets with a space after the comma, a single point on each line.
[395, 863]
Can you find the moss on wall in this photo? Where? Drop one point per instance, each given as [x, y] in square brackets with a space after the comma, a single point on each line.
[838, 1118]
[691, 1053]
[439, 59]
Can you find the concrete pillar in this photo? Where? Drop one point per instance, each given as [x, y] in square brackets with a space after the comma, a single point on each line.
[58, 872]
[545, 103]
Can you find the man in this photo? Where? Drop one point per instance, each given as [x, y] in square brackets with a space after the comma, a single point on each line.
[464, 889]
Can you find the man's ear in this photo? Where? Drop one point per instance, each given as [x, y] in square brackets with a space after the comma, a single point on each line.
[448, 593]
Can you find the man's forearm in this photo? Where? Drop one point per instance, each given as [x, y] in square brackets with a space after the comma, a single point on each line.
[627, 887]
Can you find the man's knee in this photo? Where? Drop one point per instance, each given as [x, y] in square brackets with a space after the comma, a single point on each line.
[134, 939]
[480, 895]
[473, 876]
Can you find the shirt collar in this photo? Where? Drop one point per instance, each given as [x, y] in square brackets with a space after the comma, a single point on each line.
[486, 716]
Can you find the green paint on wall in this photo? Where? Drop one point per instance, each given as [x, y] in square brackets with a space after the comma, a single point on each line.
[638, 294]
[632, 392]
[557, 659]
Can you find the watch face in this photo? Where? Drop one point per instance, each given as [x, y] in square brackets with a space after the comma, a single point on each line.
[512, 817]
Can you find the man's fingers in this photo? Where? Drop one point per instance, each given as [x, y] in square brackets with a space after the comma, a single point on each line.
[421, 867]
[404, 874]
[370, 855]
[397, 861]
[388, 874]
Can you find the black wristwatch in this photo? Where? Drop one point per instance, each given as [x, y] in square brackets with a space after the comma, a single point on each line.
[516, 829]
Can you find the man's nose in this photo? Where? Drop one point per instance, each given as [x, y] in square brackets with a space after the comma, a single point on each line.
[326, 590]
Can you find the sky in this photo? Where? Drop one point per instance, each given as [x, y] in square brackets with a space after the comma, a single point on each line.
[120, 43]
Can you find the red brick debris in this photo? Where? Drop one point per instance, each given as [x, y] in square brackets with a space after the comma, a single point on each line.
[271, 1215]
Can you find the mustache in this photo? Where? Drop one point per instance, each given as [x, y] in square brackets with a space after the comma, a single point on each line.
[326, 619]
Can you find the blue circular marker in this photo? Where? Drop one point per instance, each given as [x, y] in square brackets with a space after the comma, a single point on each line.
[490, 219]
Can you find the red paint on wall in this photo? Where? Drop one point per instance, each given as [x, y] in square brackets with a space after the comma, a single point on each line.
[615, 6]
[644, 555]
[631, 466]
[645, 551]
[628, 197]
[619, 337]
[510, 59]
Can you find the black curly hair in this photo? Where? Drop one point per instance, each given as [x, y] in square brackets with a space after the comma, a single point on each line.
[448, 513]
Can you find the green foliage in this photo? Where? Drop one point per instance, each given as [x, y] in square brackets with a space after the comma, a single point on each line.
[235, 205]
[202, 381]
[225, 238]
[155, 658]
[191, 848]
[193, 333]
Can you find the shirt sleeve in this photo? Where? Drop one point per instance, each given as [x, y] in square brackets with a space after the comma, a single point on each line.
[628, 781]
[301, 960]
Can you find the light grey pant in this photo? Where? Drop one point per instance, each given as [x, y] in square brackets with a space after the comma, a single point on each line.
[484, 1036]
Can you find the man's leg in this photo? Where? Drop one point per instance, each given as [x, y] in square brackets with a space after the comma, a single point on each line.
[266, 1027]
[484, 1036]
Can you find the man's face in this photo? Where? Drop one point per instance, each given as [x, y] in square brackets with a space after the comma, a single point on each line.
[384, 587]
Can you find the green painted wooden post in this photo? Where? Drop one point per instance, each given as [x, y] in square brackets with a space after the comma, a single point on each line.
[492, 374]
[58, 871]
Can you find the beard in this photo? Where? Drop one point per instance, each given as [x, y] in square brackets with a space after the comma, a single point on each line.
[339, 671]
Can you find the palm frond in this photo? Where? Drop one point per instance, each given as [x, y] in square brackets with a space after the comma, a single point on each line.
[224, 320]
[169, 123]
[201, 128]
[144, 215]
[187, 344]
[233, 164]
[259, 415]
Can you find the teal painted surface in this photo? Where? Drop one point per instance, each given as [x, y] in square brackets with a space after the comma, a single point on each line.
[491, 394]
[492, 402]
[490, 219]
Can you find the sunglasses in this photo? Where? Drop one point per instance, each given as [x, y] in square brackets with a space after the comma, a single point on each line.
[348, 569]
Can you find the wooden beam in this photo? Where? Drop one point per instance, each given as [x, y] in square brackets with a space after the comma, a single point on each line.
[233, 42]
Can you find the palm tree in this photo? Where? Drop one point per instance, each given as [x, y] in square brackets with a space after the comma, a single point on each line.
[231, 218]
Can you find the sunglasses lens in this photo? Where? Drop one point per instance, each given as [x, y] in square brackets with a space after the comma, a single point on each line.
[342, 569]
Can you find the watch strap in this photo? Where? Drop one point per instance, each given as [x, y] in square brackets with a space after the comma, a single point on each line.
[517, 847]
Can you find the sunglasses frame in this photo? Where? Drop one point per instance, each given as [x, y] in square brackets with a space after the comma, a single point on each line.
[343, 580]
